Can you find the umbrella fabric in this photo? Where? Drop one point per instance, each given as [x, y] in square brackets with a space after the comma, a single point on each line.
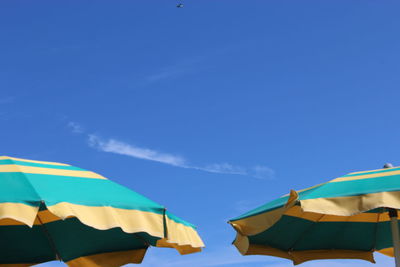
[53, 211]
[343, 218]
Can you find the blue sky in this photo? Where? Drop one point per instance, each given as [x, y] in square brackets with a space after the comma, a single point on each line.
[211, 109]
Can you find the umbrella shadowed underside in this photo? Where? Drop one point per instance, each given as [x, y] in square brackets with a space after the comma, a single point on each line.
[346, 218]
[53, 211]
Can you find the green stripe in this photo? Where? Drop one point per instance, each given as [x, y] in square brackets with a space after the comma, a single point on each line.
[75, 239]
[41, 165]
[299, 234]
[21, 244]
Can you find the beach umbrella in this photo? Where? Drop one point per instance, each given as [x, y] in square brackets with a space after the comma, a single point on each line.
[53, 211]
[349, 217]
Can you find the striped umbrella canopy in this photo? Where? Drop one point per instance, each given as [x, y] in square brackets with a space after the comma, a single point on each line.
[53, 211]
[349, 217]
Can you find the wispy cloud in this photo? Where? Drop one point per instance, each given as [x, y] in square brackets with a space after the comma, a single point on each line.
[223, 168]
[262, 172]
[174, 70]
[166, 73]
[75, 127]
[123, 148]
[118, 147]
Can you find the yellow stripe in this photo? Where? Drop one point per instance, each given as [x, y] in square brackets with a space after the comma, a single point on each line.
[242, 244]
[181, 237]
[111, 259]
[268, 251]
[251, 227]
[376, 170]
[43, 216]
[348, 206]
[341, 179]
[182, 249]
[34, 161]
[103, 218]
[387, 251]
[8, 222]
[366, 176]
[343, 209]
[303, 256]
[184, 238]
[258, 223]
[46, 216]
[18, 212]
[299, 257]
[261, 222]
[297, 211]
[40, 170]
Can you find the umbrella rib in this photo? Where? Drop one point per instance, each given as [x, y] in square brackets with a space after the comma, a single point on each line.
[51, 242]
[143, 239]
[165, 223]
[305, 232]
[376, 232]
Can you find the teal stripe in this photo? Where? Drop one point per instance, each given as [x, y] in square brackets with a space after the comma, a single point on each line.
[270, 206]
[179, 220]
[31, 189]
[53, 189]
[33, 164]
[275, 204]
[15, 188]
[334, 189]
[354, 187]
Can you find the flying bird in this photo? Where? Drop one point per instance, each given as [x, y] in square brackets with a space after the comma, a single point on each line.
[180, 5]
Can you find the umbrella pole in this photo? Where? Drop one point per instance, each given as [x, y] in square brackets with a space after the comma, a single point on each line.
[395, 235]
[394, 227]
